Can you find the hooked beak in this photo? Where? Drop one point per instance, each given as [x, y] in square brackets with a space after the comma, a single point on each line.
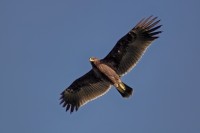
[91, 59]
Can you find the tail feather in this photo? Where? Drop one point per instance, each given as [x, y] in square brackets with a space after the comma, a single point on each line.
[124, 90]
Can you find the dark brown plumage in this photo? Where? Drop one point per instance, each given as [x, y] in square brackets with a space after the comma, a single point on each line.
[107, 72]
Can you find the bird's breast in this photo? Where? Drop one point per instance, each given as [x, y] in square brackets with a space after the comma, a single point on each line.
[109, 73]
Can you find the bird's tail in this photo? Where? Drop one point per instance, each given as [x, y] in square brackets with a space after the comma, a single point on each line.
[124, 90]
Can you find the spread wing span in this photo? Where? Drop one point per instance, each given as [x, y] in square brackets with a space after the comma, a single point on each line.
[121, 59]
[83, 90]
[129, 49]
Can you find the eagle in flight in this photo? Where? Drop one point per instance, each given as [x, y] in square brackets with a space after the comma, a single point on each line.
[108, 71]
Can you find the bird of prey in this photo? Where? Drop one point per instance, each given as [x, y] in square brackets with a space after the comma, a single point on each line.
[108, 71]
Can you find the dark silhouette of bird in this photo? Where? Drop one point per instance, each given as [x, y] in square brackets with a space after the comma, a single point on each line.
[108, 71]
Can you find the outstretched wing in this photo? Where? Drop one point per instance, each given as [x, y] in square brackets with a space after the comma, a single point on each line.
[83, 90]
[132, 46]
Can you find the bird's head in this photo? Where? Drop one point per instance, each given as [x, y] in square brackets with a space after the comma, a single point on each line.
[93, 59]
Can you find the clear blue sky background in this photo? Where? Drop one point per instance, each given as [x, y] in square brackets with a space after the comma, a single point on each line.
[45, 45]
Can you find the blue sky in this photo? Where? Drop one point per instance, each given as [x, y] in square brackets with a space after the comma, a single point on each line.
[45, 45]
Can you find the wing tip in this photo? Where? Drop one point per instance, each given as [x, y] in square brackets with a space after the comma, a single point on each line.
[148, 27]
[148, 22]
[69, 106]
